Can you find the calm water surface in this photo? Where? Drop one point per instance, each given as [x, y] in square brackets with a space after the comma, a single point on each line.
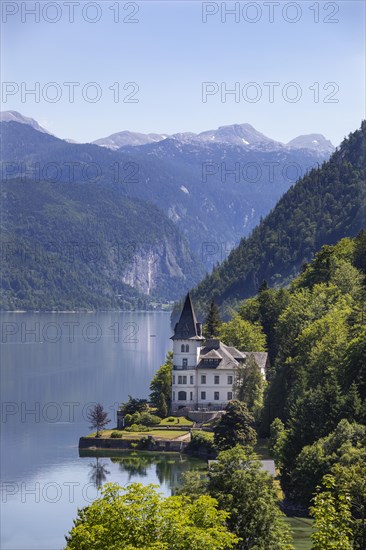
[53, 366]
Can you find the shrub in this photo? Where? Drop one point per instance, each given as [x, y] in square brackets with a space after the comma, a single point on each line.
[201, 442]
[144, 418]
[128, 419]
[116, 435]
[137, 428]
[148, 419]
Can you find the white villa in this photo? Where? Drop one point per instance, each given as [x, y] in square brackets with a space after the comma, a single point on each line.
[204, 370]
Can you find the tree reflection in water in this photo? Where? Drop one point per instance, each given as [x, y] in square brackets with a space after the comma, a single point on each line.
[169, 468]
[98, 473]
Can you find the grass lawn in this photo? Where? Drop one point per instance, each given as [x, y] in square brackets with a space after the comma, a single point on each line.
[176, 421]
[302, 530]
[157, 434]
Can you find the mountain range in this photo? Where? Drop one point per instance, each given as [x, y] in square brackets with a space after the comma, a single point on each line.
[243, 135]
[203, 192]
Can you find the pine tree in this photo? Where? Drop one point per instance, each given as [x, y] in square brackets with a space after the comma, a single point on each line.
[235, 427]
[212, 322]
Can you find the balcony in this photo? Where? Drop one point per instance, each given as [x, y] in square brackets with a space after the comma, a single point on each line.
[183, 367]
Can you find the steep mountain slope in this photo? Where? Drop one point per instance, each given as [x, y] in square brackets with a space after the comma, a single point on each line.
[215, 193]
[81, 245]
[325, 205]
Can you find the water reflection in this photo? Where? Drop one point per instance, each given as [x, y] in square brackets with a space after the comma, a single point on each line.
[167, 469]
[98, 473]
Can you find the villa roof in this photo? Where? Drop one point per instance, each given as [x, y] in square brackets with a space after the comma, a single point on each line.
[215, 354]
[187, 327]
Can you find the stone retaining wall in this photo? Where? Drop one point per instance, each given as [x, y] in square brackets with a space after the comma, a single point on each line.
[94, 443]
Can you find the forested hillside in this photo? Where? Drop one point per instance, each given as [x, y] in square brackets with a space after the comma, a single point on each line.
[315, 403]
[327, 204]
[84, 246]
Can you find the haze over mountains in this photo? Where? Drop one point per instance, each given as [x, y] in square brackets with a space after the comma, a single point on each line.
[189, 199]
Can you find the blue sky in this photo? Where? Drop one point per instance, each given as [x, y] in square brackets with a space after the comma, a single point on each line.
[169, 52]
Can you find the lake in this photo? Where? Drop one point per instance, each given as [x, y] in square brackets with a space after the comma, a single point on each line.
[54, 366]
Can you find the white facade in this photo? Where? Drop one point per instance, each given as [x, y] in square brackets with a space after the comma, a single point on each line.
[204, 371]
[202, 388]
[198, 388]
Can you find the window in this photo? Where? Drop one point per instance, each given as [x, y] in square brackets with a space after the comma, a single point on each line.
[191, 396]
[191, 380]
[229, 379]
[173, 379]
[216, 395]
[217, 379]
[203, 395]
[182, 396]
[203, 379]
[229, 395]
[173, 395]
[185, 362]
[187, 348]
[182, 380]
[182, 347]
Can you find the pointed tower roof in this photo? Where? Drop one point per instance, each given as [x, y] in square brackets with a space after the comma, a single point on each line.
[187, 327]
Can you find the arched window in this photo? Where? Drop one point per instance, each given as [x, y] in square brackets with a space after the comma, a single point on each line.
[182, 348]
[187, 347]
[182, 396]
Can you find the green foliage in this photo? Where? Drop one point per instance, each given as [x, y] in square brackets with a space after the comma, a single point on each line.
[277, 441]
[325, 205]
[193, 484]
[201, 443]
[235, 427]
[137, 517]
[242, 334]
[249, 386]
[134, 405]
[71, 245]
[247, 492]
[137, 428]
[116, 435]
[316, 336]
[211, 327]
[345, 446]
[144, 418]
[333, 519]
[161, 387]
